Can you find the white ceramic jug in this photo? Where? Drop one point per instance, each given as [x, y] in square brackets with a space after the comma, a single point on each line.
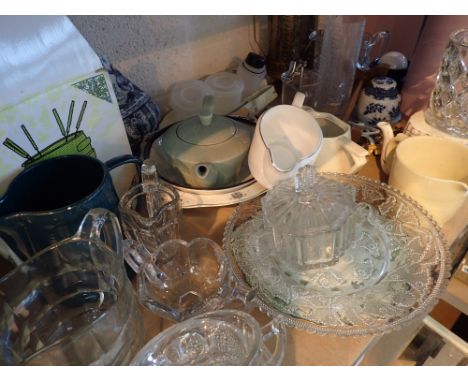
[432, 170]
[286, 138]
[338, 153]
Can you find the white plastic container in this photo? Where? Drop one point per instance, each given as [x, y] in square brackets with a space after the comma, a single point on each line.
[227, 89]
[252, 71]
[186, 97]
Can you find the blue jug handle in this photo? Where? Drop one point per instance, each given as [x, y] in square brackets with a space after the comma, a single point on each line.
[3, 204]
[123, 159]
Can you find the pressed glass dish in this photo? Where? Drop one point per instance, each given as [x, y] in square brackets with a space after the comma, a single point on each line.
[218, 338]
[393, 290]
[183, 279]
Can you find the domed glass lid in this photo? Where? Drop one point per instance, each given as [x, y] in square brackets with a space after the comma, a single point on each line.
[309, 204]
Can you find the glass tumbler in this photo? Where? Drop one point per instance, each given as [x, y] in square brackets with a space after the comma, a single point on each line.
[150, 213]
[448, 105]
[72, 304]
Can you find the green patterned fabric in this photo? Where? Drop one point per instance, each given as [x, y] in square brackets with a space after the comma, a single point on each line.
[96, 86]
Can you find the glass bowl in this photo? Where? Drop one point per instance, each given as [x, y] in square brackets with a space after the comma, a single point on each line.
[218, 338]
[183, 279]
[407, 286]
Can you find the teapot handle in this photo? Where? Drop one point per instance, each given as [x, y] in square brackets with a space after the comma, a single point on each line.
[101, 224]
[274, 329]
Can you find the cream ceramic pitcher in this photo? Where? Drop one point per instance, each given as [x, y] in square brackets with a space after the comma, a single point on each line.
[338, 153]
[432, 170]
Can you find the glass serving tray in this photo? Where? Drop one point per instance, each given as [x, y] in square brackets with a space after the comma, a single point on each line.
[414, 274]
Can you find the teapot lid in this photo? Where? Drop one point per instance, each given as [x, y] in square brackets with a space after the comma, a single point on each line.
[207, 129]
[194, 132]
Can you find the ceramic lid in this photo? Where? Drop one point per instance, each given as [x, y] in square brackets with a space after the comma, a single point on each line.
[193, 130]
[383, 82]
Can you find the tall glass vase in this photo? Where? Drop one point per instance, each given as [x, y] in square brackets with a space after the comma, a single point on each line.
[448, 105]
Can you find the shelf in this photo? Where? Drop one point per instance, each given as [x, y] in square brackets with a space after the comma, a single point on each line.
[457, 295]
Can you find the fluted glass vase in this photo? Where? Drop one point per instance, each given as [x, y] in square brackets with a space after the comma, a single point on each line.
[448, 107]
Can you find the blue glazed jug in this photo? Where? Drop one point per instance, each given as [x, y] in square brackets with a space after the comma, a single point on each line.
[46, 202]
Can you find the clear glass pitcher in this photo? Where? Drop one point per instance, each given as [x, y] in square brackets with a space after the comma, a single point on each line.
[344, 48]
[72, 304]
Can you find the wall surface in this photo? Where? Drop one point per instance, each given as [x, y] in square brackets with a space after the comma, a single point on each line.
[426, 61]
[404, 31]
[154, 52]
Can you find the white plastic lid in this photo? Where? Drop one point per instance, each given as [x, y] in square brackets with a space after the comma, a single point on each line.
[225, 82]
[187, 96]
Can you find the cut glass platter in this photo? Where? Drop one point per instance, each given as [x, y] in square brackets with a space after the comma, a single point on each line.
[369, 290]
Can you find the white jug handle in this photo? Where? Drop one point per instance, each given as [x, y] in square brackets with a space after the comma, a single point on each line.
[357, 153]
[389, 145]
[298, 100]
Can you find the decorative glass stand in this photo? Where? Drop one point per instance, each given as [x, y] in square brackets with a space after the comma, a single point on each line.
[369, 295]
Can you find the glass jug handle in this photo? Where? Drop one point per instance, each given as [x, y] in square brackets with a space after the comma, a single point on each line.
[364, 63]
[149, 179]
[274, 329]
[101, 224]
[149, 172]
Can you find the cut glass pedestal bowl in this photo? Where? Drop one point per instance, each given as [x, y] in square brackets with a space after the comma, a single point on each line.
[360, 295]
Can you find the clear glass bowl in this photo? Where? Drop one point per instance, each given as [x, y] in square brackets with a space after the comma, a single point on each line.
[183, 279]
[219, 338]
[395, 290]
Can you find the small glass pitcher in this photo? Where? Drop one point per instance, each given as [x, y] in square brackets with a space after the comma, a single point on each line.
[150, 213]
[72, 304]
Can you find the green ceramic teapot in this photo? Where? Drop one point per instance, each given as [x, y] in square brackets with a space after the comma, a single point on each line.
[206, 151]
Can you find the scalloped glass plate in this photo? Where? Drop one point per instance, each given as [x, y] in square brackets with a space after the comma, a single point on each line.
[416, 273]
